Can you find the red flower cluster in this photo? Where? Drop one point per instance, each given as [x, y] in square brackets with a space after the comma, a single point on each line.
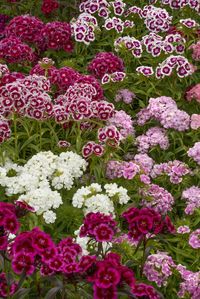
[11, 77]
[5, 131]
[144, 291]
[98, 226]
[48, 6]
[7, 289]
[110, 274]
[105, 63]
[92, 148]
[12, 50]
[146, 221]
[8, 223]
[56, 35]
[26, 28]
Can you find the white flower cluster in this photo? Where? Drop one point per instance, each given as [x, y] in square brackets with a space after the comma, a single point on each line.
[34, 181]
[94, 199]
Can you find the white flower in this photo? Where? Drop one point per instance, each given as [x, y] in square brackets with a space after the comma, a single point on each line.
[49, 216]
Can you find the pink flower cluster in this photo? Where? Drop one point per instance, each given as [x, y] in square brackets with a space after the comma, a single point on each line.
[165, 110]
[146, 221]
[127, 170]
[178, 63]
[49, 6]
[123, 122]
[91, 148]
[158, 268]
[12, 50]
[105, 63]
[27, 97]
[10, 77]
[156, 18]
[7, 289]
[192, 196]
[98, 226]
[195, 121]
[117, 24]
[78, 103]
[125, 95]
[155, 43]
[114, 77]
[194, 239]
[190, 284]
[130, 43]
[194, 152]
[193, 93]
[174, 169]
[8, 223]
[153, 137]
[83, 28]
[196, 51]
[157, 198]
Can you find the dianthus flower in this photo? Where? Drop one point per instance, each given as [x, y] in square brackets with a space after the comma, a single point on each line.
[194, 152]
[145, 221]
[105, 63]
[158, 268]
[49, 6]
[123, 122]
[184, 229]
[195, 121]
[5, 131]
[145, 291]
[193, 93]
[196, 51]
[174, 169]
[157, 198]
[153, 137]
[125, 95]
[194, 239]
[190, 284]
[7, 289]
[192, 196]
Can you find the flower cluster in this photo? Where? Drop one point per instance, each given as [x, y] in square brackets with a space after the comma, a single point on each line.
[114, 77]
[156, 19]
[157, 198]
[155, 44]
[178, 4]
[158, 268]
[91, 148]
[94, 199]
[27, 97]
[55, 35]
[142, 290]
[165, 110]
[91, 7]
[194, 239]
[123, 122]
[190, 284]
[9, 223]
[12, 50]
[194, 152]
[196, 51]
[125, 95]
[131, 44]
[79, 102]
[7, 289]
[195, 121]
[179, 63]
[5, 131]
[105, 63]
[127, 170]
[192, 196]
[153, 137]
[109, 135]
[145, 221]
[26, 28]
[98, 226]
[193, 93]
[84, 27]
[49, 6]
[34, 180]
[117, 24]
[174, 169]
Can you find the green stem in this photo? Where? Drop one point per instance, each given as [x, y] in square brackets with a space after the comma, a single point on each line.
[15, 137]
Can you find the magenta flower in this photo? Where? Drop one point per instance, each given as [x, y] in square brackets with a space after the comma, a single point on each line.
[23, 263]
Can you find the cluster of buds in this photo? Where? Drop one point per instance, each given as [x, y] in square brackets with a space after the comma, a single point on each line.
[131, 44]
[84, 27]
[91, 148]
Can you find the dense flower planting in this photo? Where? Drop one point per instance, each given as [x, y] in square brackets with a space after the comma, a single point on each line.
[100, 149]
